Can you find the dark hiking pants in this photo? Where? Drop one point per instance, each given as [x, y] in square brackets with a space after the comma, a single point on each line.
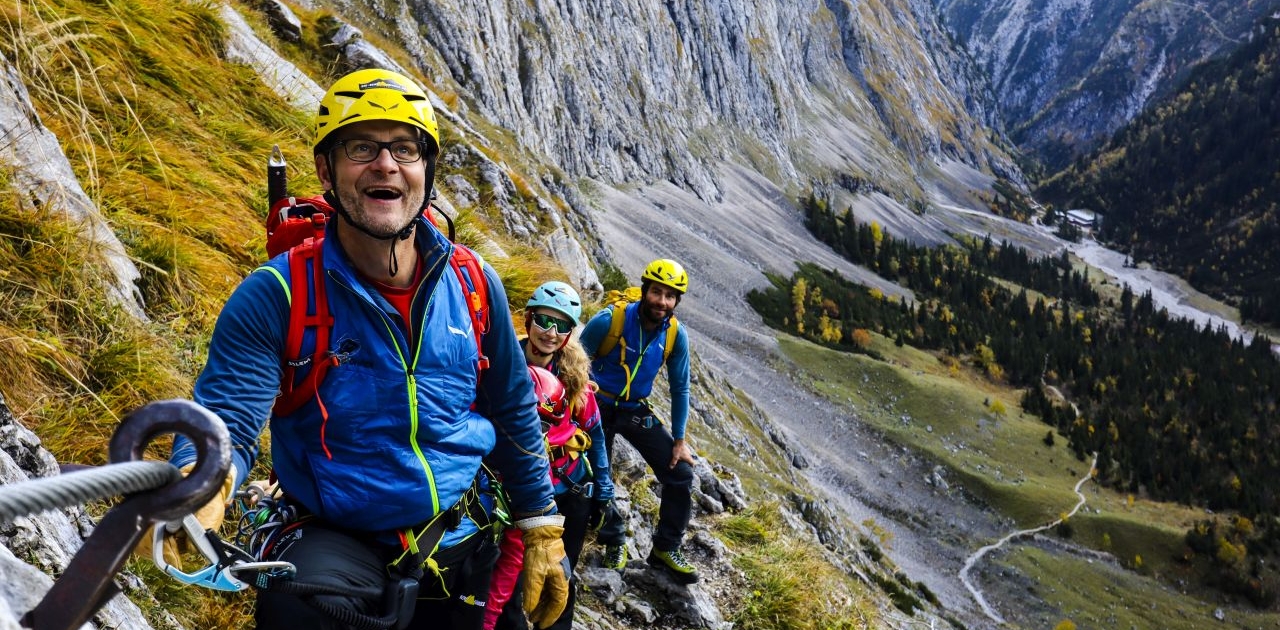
[642, 429]
[328, 556]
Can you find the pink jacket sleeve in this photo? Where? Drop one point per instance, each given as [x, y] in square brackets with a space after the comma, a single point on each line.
[506, 572]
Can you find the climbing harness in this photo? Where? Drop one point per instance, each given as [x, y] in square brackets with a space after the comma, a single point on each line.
[266, 520]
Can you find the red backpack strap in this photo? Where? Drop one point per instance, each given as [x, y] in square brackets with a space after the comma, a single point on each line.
[292, 219]
[470, 273]
[321, 320]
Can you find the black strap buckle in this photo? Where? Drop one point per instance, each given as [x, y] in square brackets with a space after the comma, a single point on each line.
[453, 518]
[643, 419]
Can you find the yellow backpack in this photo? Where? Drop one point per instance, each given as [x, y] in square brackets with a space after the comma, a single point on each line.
[618, 301]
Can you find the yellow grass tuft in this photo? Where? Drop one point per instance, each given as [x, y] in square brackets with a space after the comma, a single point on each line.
[784, 573]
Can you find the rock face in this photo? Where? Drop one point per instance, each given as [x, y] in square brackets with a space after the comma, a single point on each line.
[1068, 73]
[45, 180]
[645, 91]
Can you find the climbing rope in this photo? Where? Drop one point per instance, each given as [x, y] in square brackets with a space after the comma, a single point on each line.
[93, 484]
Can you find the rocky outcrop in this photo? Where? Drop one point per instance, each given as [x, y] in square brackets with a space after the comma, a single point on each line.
[283, 22]
[243, 46]
[45, 182]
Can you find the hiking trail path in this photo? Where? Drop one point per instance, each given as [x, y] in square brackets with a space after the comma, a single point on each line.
[973, 560]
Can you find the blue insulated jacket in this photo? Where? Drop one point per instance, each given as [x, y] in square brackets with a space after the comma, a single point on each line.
[641, 365]
[402, 441]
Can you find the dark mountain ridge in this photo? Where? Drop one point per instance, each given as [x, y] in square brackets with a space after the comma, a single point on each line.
[1191, 185]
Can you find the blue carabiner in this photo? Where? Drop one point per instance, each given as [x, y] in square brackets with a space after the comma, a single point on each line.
[220, 573]
[209, 577]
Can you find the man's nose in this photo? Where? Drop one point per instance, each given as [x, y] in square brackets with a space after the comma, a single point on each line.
[385, 163]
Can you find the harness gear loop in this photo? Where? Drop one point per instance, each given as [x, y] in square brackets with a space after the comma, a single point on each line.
[419, 548]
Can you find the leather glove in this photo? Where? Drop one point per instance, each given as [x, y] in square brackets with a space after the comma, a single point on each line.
[599, 514]
[546, 569]
[210, 516]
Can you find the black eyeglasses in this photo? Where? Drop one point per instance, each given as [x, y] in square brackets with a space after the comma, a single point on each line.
[365, 151]
[548, 322]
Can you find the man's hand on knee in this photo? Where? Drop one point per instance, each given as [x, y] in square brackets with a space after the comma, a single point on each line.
[680, 452]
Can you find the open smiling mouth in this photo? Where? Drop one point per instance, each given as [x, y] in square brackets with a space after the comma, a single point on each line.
[383, 194]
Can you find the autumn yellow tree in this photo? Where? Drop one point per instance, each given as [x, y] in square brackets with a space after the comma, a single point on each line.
[829, 329]
[985, 358]
[799, 292]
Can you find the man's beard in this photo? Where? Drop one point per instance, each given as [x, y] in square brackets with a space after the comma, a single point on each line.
[651, 314]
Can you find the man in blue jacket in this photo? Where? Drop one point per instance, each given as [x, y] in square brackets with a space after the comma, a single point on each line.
[383, 465]
[625, 374]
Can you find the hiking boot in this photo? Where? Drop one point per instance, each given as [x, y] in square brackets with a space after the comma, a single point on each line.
[615, 557]
[675, 564]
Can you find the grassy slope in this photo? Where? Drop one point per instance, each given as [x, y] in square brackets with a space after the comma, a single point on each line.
[1003, 460]
[177, 167]
[1095, 595]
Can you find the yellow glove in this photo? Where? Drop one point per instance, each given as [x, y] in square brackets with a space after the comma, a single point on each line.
[210, 516]
[546, 569]
[578, 442]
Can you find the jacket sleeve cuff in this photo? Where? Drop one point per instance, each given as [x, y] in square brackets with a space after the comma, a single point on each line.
[539, 521]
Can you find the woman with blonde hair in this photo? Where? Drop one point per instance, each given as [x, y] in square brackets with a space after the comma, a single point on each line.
[560, 370]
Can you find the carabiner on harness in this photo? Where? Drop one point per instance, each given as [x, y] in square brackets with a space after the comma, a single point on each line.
[225, 561]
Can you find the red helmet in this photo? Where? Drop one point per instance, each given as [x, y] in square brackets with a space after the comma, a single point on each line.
[550, 394]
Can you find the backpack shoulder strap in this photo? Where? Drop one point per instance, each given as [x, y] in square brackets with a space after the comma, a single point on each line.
[672, 331]
[305, 311]
[468, 267]
[616, 320]
[617, 316]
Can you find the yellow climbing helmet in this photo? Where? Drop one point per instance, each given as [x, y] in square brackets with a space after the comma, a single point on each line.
[374, 94]
[668, 272]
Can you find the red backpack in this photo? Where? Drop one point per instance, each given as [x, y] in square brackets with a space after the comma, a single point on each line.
[297, 225]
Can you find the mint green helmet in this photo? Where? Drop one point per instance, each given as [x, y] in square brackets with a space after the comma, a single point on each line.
[557, 296]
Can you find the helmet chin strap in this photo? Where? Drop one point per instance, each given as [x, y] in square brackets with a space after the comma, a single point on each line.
[393, 264]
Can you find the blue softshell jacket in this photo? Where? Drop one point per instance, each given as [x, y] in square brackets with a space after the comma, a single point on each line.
[402, 441]
[642, 363]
